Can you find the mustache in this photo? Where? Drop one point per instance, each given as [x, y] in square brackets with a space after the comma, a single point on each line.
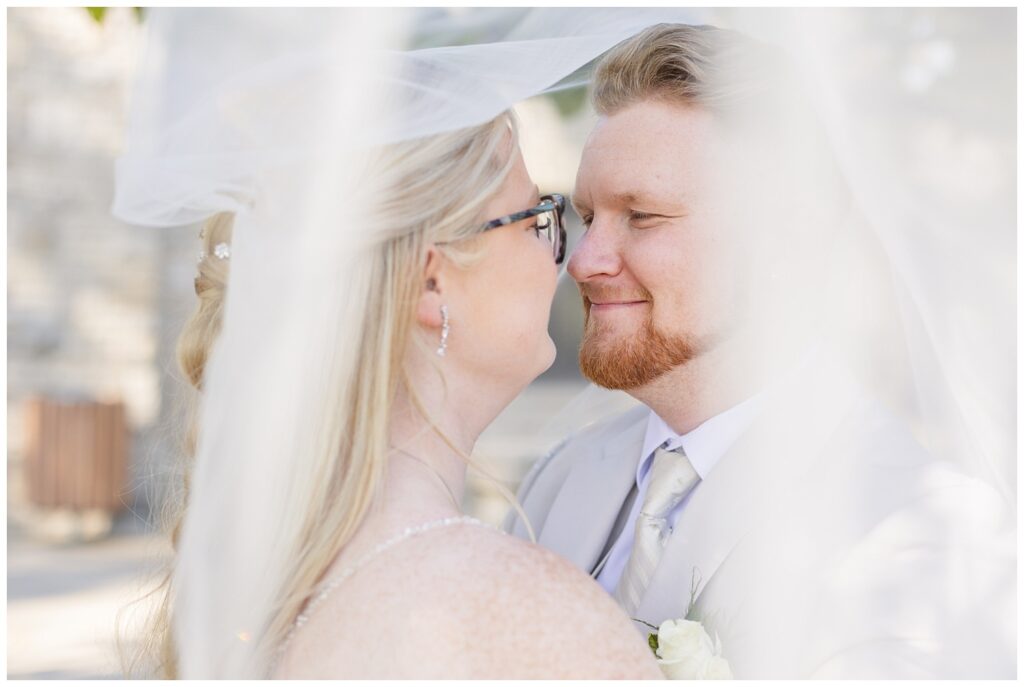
[604, 293]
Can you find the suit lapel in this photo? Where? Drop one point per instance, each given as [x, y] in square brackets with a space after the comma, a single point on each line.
[726, 505]
[586, 507]
[713, 521]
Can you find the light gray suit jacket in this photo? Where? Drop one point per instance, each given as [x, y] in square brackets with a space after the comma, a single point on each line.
[843, 550]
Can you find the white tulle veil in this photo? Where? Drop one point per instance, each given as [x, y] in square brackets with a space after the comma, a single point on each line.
[265, 113]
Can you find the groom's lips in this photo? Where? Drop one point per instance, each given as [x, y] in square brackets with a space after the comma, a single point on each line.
[608, 306]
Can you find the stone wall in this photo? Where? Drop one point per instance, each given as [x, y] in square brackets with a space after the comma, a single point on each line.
[88, 300]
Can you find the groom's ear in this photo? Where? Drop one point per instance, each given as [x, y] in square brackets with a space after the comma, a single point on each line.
[431, 298]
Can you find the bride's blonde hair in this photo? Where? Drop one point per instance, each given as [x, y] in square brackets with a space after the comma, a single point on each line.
[437, 191]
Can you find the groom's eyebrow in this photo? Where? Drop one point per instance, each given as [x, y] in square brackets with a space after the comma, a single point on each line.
[620, 198]
[656, 203]
[629, 198]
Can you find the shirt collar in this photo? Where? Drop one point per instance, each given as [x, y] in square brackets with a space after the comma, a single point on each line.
[704, 444]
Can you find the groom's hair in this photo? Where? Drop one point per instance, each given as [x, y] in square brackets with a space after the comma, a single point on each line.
[723, 70]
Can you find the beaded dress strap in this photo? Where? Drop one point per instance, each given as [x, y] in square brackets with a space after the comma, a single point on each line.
[332, 583]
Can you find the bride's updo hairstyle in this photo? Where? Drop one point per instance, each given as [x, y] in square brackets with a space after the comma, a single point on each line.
[193, 349]
[203, 326]
[436, 192]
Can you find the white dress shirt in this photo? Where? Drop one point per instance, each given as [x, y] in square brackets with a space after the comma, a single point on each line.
[703, 446]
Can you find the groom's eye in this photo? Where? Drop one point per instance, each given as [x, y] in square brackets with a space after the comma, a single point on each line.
[644, 220]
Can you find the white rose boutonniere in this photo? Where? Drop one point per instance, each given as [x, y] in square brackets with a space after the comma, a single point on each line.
[686, 652]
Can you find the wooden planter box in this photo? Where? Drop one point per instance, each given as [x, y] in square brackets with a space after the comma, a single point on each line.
[76, 454]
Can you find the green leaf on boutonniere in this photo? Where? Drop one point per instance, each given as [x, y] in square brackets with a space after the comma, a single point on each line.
[652, 637]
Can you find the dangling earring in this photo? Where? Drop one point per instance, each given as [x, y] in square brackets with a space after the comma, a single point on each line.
[444, 331]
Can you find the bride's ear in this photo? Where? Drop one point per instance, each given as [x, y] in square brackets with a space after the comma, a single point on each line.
[428, 307]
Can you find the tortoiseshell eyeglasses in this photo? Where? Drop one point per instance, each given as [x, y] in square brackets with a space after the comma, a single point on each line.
[549, 213]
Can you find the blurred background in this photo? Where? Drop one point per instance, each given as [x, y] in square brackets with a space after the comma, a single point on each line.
[94, 398]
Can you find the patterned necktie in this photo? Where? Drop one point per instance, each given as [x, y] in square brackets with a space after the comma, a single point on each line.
[672, 478]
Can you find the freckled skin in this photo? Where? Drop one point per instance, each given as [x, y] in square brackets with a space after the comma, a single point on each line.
[468, 602]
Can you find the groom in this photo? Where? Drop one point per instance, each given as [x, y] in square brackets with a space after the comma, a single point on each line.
[759, 488]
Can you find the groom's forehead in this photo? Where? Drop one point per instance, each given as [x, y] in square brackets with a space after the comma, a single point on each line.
[647, 185]
[626, 161]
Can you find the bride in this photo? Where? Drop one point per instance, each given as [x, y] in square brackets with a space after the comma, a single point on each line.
[458, 330]
[388, 297]
[393, 581]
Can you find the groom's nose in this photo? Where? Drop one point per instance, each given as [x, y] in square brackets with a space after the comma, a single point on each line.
[597, 254]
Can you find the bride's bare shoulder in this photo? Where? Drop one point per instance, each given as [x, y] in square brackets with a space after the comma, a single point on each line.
[469, 602]
[515, 609]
